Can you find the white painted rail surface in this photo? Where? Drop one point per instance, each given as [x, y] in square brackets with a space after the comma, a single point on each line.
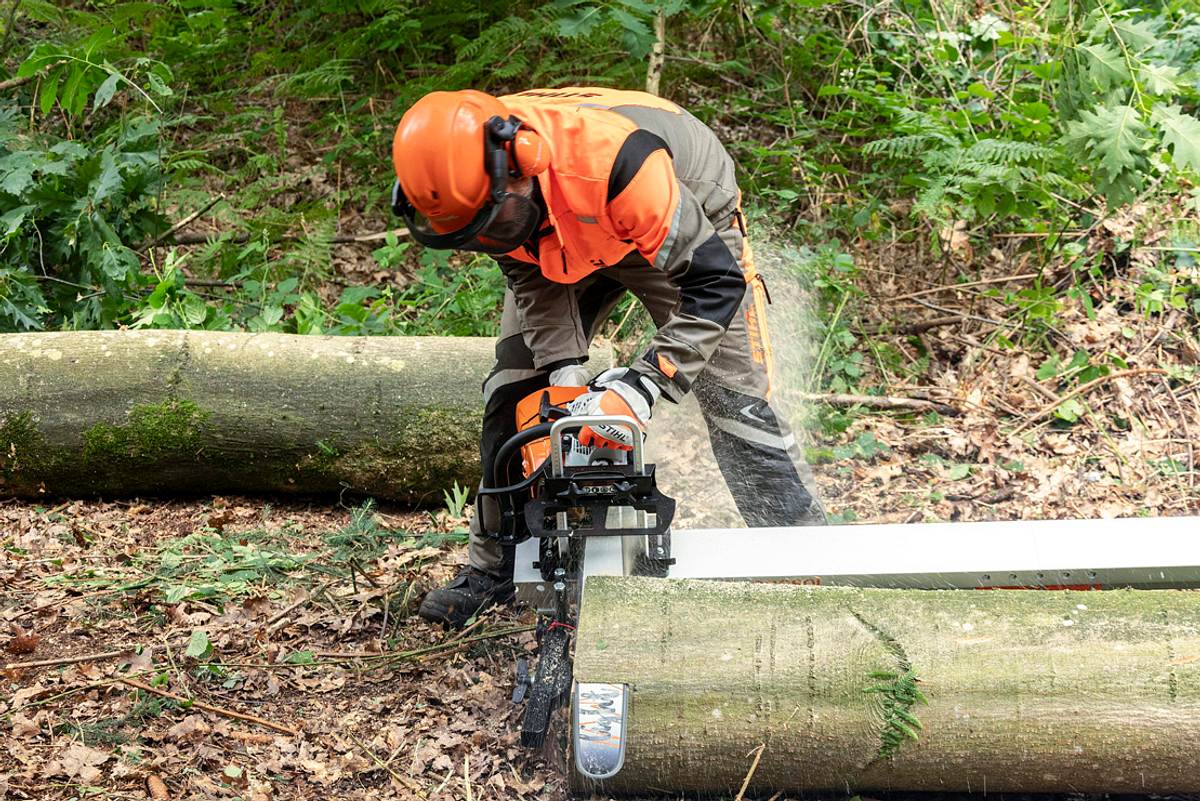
[1143, 553]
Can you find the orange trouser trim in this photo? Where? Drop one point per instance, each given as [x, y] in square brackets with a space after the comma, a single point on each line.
[756, 312]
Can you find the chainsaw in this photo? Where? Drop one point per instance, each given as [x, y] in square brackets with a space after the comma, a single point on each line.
[554, 493]
[573, 512]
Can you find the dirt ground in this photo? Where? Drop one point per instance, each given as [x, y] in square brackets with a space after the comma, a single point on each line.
[232, 648]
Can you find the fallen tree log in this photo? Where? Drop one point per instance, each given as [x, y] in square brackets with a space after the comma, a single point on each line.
[1028, 691]
[118, 413]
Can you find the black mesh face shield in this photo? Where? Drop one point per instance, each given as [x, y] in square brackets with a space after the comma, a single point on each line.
[506, 220]
[514, 220]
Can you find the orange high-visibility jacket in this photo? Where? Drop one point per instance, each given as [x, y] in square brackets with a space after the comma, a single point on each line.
[632, 177]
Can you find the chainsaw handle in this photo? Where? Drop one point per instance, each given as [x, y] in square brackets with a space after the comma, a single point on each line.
[499, 472]
[558, 427]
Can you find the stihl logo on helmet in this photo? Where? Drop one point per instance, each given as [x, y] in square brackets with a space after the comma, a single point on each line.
[459, 159]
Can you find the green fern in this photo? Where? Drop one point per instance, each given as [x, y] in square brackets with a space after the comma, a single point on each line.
[899, 146]
[325, 78]
[931, 201]
[1004, 151]
[313, 254]
[898, 693]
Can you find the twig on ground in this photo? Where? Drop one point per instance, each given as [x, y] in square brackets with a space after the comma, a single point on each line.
[879, 402]
[362, 571]
[915, 328]
[468, 630]
[83, 688]
[972, 342]
[279, 620]
[454, 643]
[1045, 392]
[384, 658]
[974, 317]
[758, 752]
[409, 783]
[1083, 389]
[948, 287]
[65, 660]
[620, 325]
[250, 737]
[1002, 494]
[387, 608]
[182, 223]
[244, 237]
[1163, 328]
[1037, 234]
[1188, 389]
[216, 710]
[1187, 432]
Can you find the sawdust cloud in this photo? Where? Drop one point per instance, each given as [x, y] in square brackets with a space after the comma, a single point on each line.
[678, 439]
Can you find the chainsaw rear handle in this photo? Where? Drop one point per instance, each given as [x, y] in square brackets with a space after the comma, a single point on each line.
[513, 496]
[559, 427]
[498, 477]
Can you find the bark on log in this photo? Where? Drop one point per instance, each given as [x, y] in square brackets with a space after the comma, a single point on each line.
[196, 412]
[1028, 691]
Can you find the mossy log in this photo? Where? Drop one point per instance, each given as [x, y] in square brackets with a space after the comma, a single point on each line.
[108, 413]
[1027, 691]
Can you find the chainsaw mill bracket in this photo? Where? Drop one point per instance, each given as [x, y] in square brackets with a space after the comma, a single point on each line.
[557, 499]
[594, 500]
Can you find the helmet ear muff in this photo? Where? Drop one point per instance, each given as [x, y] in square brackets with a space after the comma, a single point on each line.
[530, 153]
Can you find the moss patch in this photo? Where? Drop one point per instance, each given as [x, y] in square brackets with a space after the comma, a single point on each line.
[154, 431]
[22, 447]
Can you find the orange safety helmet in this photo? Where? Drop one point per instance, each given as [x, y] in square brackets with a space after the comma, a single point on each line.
[453, 153]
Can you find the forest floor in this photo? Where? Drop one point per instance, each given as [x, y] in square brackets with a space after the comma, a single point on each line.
[292, 623]
[1086, 408]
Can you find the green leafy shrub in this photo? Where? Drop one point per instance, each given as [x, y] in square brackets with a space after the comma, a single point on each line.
[842, 118]
[1125, 64]
[69, 213]
[996, 114]
[453, 295]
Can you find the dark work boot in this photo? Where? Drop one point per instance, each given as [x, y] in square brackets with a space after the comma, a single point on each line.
[469, 593]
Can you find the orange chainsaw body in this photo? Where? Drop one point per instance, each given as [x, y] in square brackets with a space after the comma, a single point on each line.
[529, 415]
